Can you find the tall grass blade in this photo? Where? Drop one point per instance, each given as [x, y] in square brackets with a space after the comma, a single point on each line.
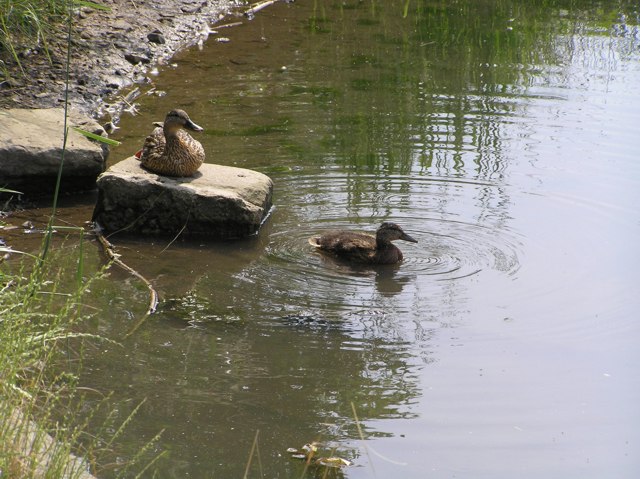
[94, 5]
[93, 136]
[80, 268]
[253, 448]
[405, 10]
[5, 190]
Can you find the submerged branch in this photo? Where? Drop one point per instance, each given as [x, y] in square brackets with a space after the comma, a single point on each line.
[153, 295]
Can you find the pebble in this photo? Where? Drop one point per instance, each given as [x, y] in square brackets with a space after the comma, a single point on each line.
[135, 58]
[122, 25]
[156, 37]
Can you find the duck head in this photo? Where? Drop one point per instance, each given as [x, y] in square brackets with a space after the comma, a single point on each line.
[177, 119]
[391, 231]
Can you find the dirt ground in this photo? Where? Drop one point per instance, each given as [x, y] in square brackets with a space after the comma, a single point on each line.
[111, 51]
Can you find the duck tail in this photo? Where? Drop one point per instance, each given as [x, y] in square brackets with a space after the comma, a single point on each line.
[315, 242]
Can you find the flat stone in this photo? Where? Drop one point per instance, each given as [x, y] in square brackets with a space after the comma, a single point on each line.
[117, 81]
[221, 202]
[122, 24]
[31, 151]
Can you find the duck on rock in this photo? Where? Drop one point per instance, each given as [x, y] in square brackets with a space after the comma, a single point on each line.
[363, 247]
[170, 150]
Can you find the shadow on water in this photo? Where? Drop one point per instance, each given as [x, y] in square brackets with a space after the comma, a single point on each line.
[477, 126]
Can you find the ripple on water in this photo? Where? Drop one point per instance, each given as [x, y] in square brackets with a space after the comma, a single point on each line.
[309, 288]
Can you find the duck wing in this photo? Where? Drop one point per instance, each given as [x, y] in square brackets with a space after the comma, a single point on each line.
[153, 146]
[346, 244]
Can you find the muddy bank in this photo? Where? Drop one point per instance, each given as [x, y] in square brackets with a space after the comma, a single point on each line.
[111, 53]
[111, 50]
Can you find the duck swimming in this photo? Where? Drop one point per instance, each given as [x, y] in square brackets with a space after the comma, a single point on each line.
[170, 150]
[363, 247]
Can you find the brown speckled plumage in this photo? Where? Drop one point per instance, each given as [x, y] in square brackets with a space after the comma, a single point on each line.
[170, 150]
[363, 247]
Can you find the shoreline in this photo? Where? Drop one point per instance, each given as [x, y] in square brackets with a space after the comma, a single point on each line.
[113, 56]
[111, 51]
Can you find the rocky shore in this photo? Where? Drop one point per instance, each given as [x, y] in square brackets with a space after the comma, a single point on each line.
[110, 50]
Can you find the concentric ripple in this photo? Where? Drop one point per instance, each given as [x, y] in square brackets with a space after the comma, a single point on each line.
[294, 283]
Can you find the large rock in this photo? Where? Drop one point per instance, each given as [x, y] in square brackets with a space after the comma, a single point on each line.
[31, 151]
[218, 201]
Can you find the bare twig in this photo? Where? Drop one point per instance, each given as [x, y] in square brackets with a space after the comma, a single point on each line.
[132, 95]
[174, 238]
[184, 226]
[253, 448]
[226, 25]
[256, 7]
[153, 295]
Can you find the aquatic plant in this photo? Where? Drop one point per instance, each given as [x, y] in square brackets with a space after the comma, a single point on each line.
[37, 320]
[44, 414]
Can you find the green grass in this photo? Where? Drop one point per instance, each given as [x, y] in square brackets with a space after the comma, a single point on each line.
[44, 418]
[38, 323]
[41, 350]
[30, 24]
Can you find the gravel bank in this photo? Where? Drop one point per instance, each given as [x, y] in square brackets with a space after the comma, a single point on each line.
[110, 51]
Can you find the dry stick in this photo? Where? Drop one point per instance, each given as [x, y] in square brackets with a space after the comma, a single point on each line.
[226, 25]
[370, 448]
[253, 448]
[132, 95]
[127, 101]
[153, 295]
[366, 449]
[174, 238]
[258, 6]
[260, 468]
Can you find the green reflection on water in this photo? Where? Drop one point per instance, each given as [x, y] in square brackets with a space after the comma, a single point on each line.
[375, 97]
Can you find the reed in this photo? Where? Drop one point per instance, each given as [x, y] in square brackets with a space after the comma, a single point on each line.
[31, 24]
[28, 24]
[38, 323]
[44, 417]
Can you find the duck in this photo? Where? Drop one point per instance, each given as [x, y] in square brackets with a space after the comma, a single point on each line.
[170, 150]
[364, 247]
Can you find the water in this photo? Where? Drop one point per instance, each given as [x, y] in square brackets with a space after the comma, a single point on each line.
[501, 135]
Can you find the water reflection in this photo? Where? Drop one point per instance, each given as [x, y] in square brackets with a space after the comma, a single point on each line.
[388, 280]
[221, 381]
[481, 128]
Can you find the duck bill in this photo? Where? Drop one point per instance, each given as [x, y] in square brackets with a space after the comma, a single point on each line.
[192, 126]
[408, 238]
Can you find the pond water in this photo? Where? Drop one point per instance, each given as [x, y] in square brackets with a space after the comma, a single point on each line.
[503, 136]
